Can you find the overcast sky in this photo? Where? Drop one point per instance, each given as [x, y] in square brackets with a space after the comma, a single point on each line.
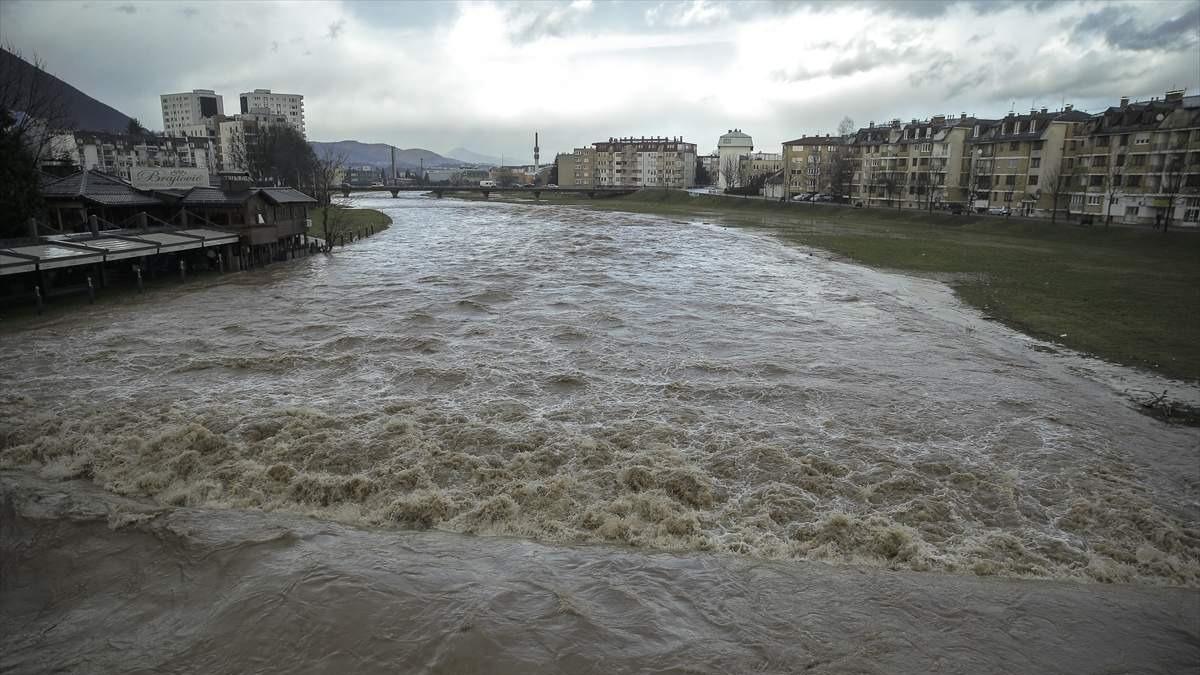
[485, 75]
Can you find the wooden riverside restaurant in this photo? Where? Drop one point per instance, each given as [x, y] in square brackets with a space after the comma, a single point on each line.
[99, 227]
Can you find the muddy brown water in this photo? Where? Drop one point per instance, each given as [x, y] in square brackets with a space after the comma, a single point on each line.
[630, 383]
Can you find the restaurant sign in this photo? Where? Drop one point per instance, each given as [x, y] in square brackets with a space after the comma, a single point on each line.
[167, 177]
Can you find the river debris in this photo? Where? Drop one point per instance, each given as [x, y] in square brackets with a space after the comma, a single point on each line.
[1163, 407]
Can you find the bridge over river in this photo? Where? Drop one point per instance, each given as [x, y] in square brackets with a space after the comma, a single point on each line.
[439, 190]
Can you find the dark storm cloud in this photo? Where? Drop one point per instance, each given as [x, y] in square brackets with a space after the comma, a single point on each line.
[856, 56]
[1120, 29]
[336, 28]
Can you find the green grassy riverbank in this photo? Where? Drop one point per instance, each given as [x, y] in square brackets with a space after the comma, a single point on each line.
[346, 220]
[1126, 295]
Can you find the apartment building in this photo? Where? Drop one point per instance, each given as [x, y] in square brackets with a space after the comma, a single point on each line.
[731, 147]
[1016, 162]
[118, 154]
[1138, 162]
[576, 168]
[188, 109]
[264, 101]
[644, 161]
[815, 164]
[760, 163]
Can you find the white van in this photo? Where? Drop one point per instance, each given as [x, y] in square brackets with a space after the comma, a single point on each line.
[487, 183]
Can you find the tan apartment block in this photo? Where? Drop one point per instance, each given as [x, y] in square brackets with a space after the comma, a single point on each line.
[577, 168]
[643, 162]
[1016, 162]
[820, 164]
[1139, 162]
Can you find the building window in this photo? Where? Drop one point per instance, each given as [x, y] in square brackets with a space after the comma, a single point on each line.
[1014, 145]
[1191, 215]
[1093, 200]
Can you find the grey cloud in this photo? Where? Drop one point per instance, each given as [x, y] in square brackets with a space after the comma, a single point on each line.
[1118, 27]
[857, 56]
[336, 28]
[189, 12]
[126, 8]
[528, 23]
[917, 9]
[943, 65]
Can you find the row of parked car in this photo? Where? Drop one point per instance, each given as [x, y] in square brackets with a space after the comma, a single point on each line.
[812, 197]
[955, 208]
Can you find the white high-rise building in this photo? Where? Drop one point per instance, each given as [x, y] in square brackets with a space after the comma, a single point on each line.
[263, 101]
[730, 148]
[189, 109]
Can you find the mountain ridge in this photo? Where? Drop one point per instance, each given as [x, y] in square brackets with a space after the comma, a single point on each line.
[379, 155]
[83, 112]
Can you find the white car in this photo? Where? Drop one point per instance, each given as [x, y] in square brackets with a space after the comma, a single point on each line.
[999, 211]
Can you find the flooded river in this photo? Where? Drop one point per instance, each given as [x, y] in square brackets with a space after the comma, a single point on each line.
[665, 389]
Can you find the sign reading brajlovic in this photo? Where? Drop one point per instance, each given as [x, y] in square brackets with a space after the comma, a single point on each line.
[167, 177]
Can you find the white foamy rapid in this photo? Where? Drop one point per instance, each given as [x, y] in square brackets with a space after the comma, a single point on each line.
[572, 376]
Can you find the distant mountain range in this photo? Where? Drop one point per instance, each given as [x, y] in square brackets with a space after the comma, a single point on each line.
[380, 154]
[477, 158]
[82, 111]
[473, 157]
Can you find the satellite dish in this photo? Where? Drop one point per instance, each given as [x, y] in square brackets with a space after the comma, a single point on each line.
[1160, 117]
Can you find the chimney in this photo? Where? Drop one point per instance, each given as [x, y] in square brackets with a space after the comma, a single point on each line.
[1124, 101]
[1174, 95]
[963, 115]
[871, 125]
[1044, 110]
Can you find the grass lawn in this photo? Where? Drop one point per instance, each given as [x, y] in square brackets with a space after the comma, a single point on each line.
[347, 220]
[1127, 295]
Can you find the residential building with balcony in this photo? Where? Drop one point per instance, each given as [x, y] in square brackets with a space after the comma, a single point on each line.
[188, 109]
[1138, 162]
[819, 164]
[118, 154]
[628, 162]
[1016, 162]
[264, 101]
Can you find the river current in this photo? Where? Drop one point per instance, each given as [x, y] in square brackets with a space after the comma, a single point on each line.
[568, 376]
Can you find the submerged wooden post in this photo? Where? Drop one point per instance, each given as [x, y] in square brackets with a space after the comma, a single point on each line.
[138, 271]
[91, 290]
[182, 271]
[221, 263]
[41, 302]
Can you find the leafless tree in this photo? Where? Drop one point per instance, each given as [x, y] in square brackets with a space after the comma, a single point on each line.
[972, 185]
[324, 182]
[1172, 184]
[841, 170]
[890, 184]
[36, 99]
[1111, 187]
[730, 170]
[1057, 185]
[505, 177]
[846, 127]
